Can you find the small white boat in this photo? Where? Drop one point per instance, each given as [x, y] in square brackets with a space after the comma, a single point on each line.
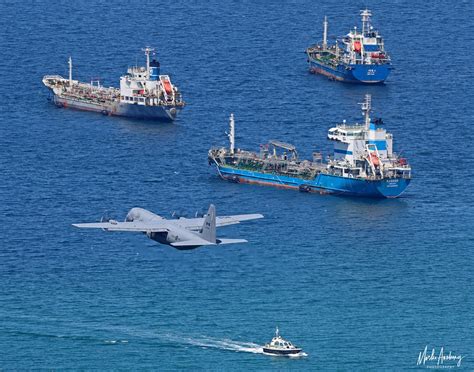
[280, 346]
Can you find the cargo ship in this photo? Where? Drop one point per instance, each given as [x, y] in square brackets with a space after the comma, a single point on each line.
[143, 93]
[363, 162]
[358, 57]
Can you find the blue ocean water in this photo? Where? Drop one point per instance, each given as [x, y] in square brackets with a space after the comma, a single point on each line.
[359, 284]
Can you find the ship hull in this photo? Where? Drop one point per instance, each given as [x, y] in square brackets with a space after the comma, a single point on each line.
[283, 352]
[359, 74]
[159, 113]
[323, 183]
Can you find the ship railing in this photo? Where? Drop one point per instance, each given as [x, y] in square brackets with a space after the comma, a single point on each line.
[378, 61]
[53, 77]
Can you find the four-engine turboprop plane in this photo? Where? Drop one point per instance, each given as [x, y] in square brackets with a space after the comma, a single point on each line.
[183, 233]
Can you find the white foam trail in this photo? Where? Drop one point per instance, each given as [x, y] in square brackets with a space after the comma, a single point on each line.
[299, 355]
[223, 344]
[116, 341]
[93, 327]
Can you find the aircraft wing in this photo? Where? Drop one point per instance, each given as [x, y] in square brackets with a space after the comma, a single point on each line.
[231, 220]
[196, 242]
[195, 224]
[124, 226]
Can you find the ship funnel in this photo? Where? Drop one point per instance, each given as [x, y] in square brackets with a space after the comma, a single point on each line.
[154, 69]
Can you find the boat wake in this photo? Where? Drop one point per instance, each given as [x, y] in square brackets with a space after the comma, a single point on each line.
[230, 345]
[122, 335]
[222, 344]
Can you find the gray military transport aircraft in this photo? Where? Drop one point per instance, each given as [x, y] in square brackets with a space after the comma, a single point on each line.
[182, 233]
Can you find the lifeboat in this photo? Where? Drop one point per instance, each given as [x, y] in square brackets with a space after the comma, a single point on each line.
[374, 159]
[167, 86]
[377, 55]
[402, 161]
[357, 46]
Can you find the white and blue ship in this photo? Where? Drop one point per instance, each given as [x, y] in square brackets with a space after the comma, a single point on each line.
[143, 93]
[363, 163]
[358, 57]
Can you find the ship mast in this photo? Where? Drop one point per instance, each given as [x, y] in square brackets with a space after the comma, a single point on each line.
[366, 108]
[147, 51]
[70, 71]
[366, 14]
[231, 134]
[325, 33]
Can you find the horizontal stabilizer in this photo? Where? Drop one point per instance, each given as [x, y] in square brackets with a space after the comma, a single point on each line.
[231, 220]
[195, 224]
[230, 241]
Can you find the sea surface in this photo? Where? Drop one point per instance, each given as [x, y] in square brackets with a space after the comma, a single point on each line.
[360, 284]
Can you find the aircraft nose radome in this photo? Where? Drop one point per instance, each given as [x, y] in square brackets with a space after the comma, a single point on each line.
[133, 214]
[141, 214]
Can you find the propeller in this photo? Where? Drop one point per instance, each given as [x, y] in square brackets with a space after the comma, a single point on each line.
[199, 214]
[177, 215]
[106, 218]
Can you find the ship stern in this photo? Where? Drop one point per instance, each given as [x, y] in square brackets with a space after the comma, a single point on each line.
[370, 74]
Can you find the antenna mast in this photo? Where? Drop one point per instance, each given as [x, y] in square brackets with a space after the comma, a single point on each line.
[366, 108]
[325, 33]
[147, 51]
[70, 71]
[232, 134]
[366, 14]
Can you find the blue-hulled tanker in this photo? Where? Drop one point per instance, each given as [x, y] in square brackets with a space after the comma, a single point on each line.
[144, 93]
[363, 163]
[359, 57]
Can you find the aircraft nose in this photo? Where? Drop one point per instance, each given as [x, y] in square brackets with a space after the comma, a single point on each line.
[132, 215]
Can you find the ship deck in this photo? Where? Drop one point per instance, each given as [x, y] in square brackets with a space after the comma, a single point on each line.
[272, 164]
[303, 169]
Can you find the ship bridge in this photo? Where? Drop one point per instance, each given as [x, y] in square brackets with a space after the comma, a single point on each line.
[345, 133]
[354, 142]
[137, 72]
[145, 86]
[365, 46]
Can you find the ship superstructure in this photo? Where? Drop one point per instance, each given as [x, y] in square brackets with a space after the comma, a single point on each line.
[358, 57]
[143, 93]
[363, 163]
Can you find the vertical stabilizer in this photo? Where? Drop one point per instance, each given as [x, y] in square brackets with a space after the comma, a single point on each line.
[208, 231]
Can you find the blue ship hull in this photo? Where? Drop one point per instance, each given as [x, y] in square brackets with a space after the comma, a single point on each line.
[360, 74]
[161, 113]
[158, 113]
[323, 183]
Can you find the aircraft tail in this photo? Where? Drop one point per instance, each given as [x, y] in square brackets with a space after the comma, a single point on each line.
[208, 230]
